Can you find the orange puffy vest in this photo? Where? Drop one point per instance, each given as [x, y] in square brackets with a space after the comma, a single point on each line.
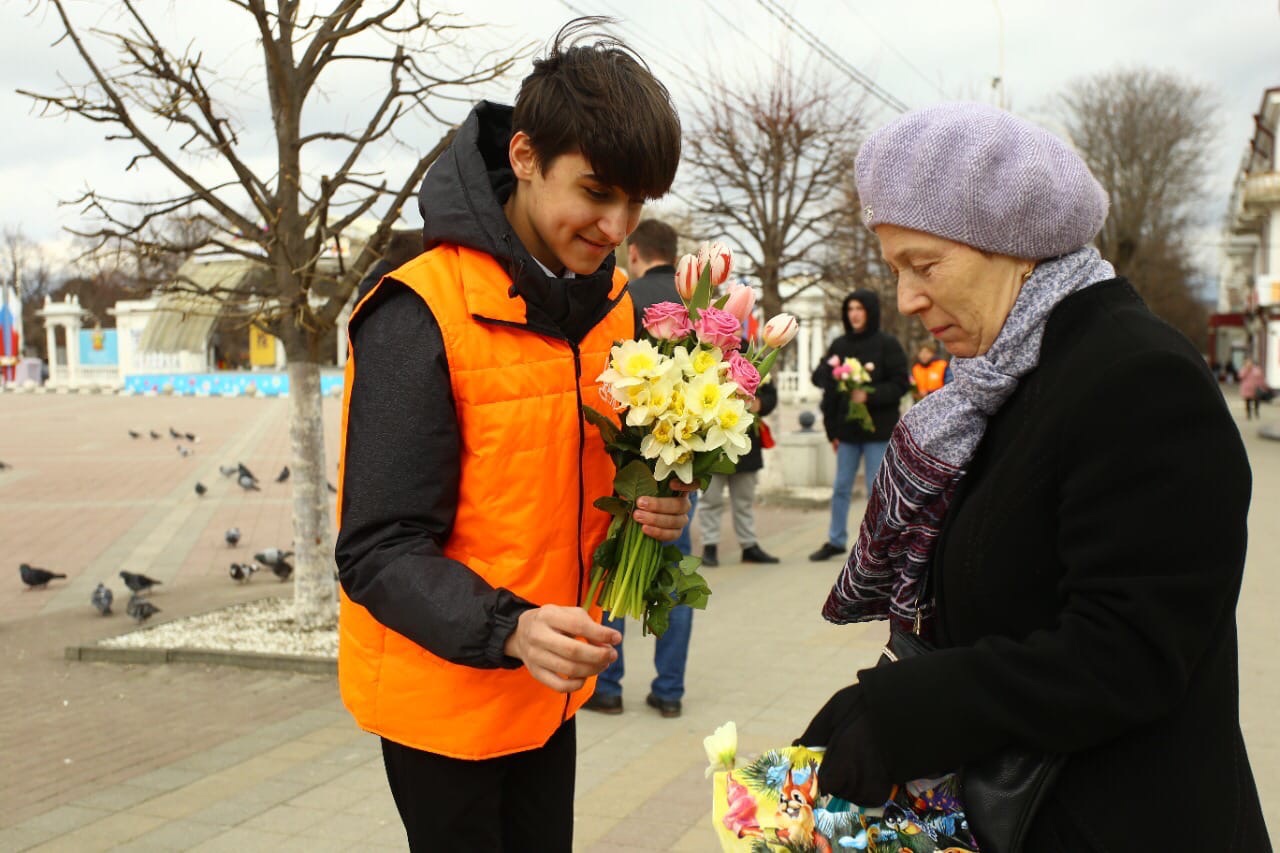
[929, 377]
[530, 468]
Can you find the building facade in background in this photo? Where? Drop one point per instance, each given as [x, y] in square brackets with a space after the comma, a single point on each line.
[1247, 323]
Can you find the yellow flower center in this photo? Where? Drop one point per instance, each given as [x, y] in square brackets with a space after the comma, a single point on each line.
[638, 363]
[704, 361]
[728, 419]
[710, 395]
[662, 432]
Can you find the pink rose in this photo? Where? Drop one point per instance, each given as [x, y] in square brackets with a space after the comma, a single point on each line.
[718, 328]
[841, 372]
[744, 373]
[668, 321]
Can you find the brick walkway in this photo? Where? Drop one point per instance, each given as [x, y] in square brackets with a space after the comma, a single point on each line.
[177, 757]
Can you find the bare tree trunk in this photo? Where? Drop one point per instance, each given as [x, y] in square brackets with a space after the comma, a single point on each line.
[315, 601]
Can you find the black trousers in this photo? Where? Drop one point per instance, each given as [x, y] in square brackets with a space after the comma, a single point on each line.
[516, 802]
[1251, 408]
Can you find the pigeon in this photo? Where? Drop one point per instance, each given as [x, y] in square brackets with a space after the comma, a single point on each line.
[248, 483]
[283, 475]
[173, 433]
[241, 572]
[36, 578]
[101, 599]
[245, 472]
[191, 437]
[277, 561]
[133, 433]
[141, 609]
[137, 582]
[4, 465]
[228, 470]
[331, 486]
[232, 536]
[155, 434]
[201, 489]
[183, 452]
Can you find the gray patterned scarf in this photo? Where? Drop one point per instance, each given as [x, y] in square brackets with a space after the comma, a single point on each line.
[931, 446]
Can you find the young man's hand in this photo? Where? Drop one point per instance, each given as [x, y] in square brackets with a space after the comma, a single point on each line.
[547, 640]
[664, 518]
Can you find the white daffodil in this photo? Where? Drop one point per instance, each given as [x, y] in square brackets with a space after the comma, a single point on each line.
[653, 402]
[660, 437]
[706, 393]
[721, 748]
[703, 361]
[679, 463]
[633, 363]
[729, 429]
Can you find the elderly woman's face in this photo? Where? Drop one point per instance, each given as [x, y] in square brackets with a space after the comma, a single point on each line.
[961, 295]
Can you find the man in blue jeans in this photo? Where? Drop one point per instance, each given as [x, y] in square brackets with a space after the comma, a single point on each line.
[651, 259]
[886, 361]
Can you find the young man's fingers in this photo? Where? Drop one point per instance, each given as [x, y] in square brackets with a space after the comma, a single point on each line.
[576, 622]
[556, 682]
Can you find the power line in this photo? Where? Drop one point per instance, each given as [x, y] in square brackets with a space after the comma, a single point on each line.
[804, 34]
[848, 4]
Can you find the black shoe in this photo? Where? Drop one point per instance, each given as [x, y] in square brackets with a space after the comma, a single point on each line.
[602, 703]
[709, 557]
[665, 707]
[826, 552]
[756, 554]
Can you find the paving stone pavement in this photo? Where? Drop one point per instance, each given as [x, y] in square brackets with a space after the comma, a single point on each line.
[188, 757]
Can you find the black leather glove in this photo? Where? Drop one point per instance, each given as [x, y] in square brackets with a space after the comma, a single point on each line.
[852, 767]
[840, 708]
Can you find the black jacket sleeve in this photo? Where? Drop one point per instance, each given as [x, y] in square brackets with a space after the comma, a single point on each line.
[767, 394]
[894, 376]
[1151, 536]
[400, 491]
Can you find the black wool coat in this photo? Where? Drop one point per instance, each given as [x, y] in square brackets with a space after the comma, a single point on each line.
[889, 375]
[1086, 580]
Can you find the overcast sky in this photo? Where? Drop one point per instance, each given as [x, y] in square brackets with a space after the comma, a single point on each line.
[919, 51]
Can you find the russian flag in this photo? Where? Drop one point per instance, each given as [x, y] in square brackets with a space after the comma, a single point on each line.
[8, 335]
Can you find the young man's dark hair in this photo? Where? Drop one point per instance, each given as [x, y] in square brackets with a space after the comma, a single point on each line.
[468, 470]
[654, 240]
[598, 98]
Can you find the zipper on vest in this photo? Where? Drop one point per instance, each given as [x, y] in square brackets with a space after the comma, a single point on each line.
[582, 485]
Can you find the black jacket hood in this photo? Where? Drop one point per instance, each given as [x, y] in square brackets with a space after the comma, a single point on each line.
[870, 301]
[461, 203]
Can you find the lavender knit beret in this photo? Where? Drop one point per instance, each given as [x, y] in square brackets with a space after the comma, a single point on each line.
[980, 176]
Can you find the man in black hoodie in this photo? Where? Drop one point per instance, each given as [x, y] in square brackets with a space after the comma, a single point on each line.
[886, 361]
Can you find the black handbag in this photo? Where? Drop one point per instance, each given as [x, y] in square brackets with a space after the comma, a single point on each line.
[1001, 794]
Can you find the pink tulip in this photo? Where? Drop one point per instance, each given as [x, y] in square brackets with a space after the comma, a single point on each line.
[834, 361]
[687, 277]
[718, 328]
[720, 260]
[780, 330]
[668, 321]
[744, 373]
[742, 299]
[841, 372]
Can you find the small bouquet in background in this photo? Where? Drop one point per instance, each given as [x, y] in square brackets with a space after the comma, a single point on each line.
[773, 804]
[682, 392]
[852, 375]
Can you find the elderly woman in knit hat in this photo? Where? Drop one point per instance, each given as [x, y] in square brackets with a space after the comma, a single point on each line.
[1064, 523]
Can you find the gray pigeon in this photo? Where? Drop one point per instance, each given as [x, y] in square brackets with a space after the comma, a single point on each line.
[133, 433]
[138, 582]
[173, 433]
[4, 465]
[141, 609]
[191, 437]
[155, 434]
[101, 599]
[232, 536]
[36, 578]
[248, 483]
[241, 572]
[283, 475]
[245, 472]
[183, 452]
[277, 561]
[228, 470]
[201, 489]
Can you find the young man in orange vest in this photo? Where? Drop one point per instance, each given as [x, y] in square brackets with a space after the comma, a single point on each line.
[468, 471]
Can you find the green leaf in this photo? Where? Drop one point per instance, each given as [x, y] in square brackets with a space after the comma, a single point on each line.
[616, 507]
[722, 301]
[608, 430]
[658, 618]
[672, 554]
[695, 597]
[690, 564]
[635, 481]
[702, 293]
[765, 366]
[723, 466]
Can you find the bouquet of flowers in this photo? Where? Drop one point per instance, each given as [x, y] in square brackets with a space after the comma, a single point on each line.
[682, 392]
[852, 375]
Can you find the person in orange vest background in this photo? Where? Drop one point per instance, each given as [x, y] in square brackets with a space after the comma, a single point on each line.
[929, 372]
[468, 471]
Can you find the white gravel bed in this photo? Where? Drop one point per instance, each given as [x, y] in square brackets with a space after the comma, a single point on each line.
[264, 626]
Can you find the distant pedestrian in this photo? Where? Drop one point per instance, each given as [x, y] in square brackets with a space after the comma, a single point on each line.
[929, 373]
[885, 360]
[1253, 387]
